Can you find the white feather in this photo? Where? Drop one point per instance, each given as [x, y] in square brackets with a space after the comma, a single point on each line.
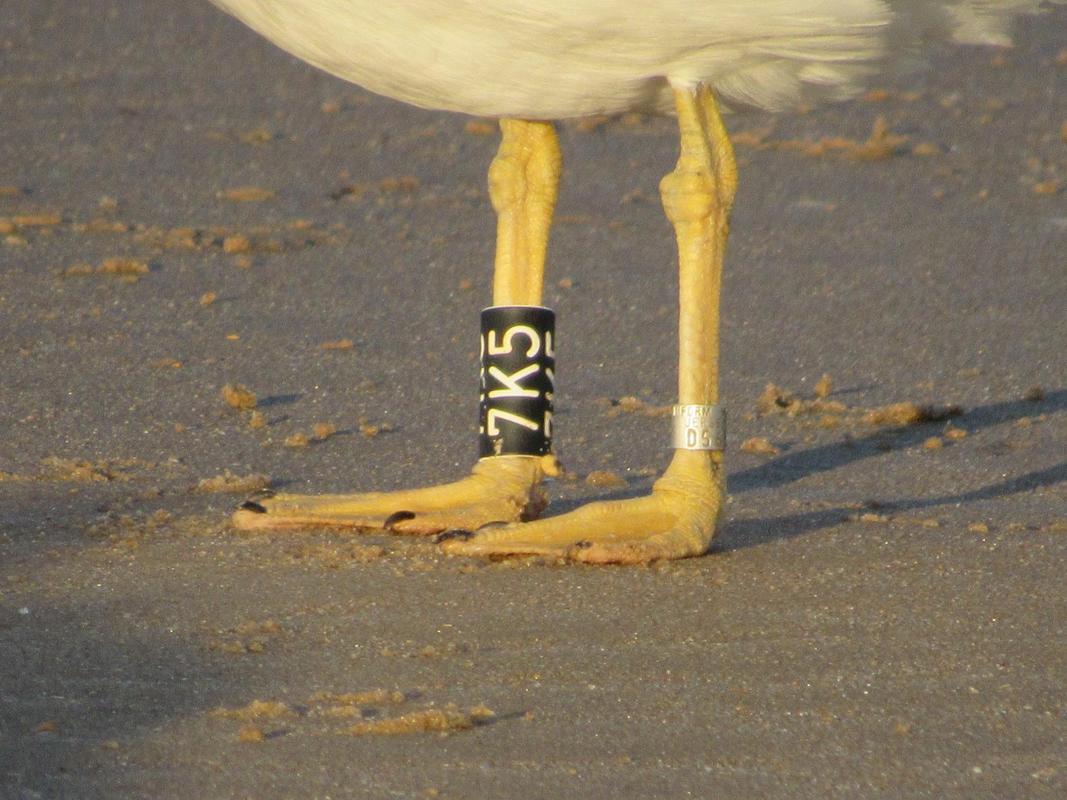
[550, 59]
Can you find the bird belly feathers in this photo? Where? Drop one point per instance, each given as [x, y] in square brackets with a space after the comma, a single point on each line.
[551, 59]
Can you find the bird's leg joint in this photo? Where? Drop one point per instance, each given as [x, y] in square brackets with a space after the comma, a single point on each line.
[506, 181]
[689, 195]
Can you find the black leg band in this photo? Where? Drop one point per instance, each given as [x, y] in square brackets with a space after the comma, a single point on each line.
[518, 365]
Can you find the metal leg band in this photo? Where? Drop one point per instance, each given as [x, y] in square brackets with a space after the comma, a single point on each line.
[698, 427]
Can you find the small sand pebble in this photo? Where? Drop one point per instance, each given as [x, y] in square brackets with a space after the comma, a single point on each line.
[257, 420]
[48, 726]
[257, 136]
[238, 397]
[237, 243]
[825, 386]
[466, 284]
[566, 283]
[605, 479]
[978, 527]
[955, 434]
[250, 733]
[323, 430]
[872, 517]
[297, 440]
[933, 443]
[759, 445]
[1047, 188]
[207, 298]
[330, 107]
[1034, 394]
[369, 431]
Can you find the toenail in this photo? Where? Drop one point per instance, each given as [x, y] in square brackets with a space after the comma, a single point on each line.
[455, 533]
[397, 516]
[254, 507]
[496, 523]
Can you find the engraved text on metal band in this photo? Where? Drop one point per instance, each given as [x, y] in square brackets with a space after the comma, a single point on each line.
[698, 427]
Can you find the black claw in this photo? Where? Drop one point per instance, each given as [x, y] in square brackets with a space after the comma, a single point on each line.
[397, 516]
[455, 533]
[584, 544]
[496, 523]
[254, 507]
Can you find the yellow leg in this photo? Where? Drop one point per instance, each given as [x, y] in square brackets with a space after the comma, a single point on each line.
[680, 516]
[523, 181]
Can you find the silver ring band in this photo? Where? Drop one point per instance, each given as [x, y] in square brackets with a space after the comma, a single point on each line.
[698, 427]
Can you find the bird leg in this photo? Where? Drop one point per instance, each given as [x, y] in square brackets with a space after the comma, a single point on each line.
[523, 182]
[680, 515]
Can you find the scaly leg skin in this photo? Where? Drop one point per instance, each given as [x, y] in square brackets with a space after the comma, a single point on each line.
[680, 516]
[523, 182]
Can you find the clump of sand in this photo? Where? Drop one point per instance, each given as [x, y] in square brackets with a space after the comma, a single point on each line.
[129, 270]
[760, 445]
[248, 637]
[634, 405]
[881, 143]
[323, 430]
[605, 479]
[227, 482]
[238, 397]
[429, 720]
[908, 413]
[369, 430]
[776, 400]
[256, 710]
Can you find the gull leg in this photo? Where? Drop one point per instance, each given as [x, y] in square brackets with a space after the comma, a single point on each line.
[680, 516]
[523, 181]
